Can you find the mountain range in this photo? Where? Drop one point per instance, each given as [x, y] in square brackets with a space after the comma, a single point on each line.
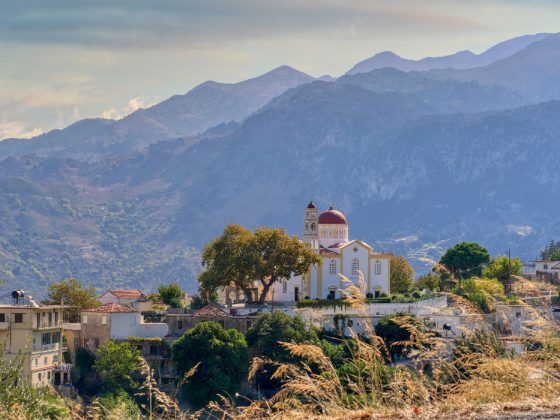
[416, 160]
[459, 60]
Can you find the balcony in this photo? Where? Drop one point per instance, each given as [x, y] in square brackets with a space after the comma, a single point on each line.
[47, 325]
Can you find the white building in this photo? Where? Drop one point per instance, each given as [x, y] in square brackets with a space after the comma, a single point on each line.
[134, 298]
[327, 234]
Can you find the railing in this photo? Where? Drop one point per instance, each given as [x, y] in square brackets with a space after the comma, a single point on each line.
[51, 324]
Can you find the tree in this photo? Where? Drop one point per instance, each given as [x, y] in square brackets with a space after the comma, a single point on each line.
[428, 281]
[465, 260]
[278, 256]
[115, 363]
[269, 330]
[402, 275]
[395, 330]
[502, 268]
[228, 260]
[197, 303]
[171, 295]
[220, 357]
[551, 251]
[74, 295]
[240, 257]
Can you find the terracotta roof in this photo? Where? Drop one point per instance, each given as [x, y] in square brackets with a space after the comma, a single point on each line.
[211, 310]
[332, 217]
[338, 245]
[109, 308]
[128, 293]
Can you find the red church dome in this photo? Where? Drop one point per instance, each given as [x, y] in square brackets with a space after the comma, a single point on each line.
[332, 217]
[311, 205]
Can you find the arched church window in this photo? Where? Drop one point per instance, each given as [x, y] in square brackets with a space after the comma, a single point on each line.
[355, 266]
[313, 226]
[377, 267]
[285, 286]
[332, 267]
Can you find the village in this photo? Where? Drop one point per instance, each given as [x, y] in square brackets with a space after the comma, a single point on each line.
[345, 291]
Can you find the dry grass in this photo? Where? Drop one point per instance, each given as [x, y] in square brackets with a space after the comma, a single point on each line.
[479, 378]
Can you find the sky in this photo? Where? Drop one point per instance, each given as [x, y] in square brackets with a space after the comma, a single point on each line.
[64, 60]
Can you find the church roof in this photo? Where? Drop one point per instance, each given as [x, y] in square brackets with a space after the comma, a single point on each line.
[332, 217]
[311, 205]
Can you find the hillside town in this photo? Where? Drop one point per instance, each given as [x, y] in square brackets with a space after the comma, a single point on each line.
[346, 289]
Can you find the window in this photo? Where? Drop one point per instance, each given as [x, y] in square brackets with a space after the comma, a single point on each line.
[49, 375]
[285, 286]
[50, 319]
[179, 325]
[153, 349]
[248, 324]
[84, 319]
[332, 267]
[18, 318]
[332, 293]
[104, 319]
[46, 360]
[350, 323]
[39, 376]
[55, 358]
[96, 343]
[377, 267]
[518, 314]
[46, 338]
[56, 318]
[545, 266]
[38, 319]
[76, 342]
[56, 337]
[355, 266]
[36, 362]
[2, 317]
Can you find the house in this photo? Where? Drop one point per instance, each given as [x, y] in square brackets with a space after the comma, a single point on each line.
[543, 270]
[34, 332]
[111, 321]
[327, 234]
[179, 323]
[133, 298]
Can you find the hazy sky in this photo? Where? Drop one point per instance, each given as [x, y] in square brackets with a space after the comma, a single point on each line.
[63, 60]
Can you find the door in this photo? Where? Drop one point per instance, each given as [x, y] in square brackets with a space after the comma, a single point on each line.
[296, 294]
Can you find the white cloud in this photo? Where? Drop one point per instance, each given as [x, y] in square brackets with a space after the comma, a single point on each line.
[134, 104]
[17, 129]
[520, 230]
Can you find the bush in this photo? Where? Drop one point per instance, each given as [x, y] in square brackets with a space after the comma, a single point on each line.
[220, 357]
[369, 295]
[478, 296]
[119, 404]
[20, 400]
[394, 329]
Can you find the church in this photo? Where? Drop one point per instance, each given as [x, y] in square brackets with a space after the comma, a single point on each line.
[327, 234]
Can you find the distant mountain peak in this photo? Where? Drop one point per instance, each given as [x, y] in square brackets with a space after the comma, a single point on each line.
[464, 59]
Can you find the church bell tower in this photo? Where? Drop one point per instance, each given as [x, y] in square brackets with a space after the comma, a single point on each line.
[311, 225]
